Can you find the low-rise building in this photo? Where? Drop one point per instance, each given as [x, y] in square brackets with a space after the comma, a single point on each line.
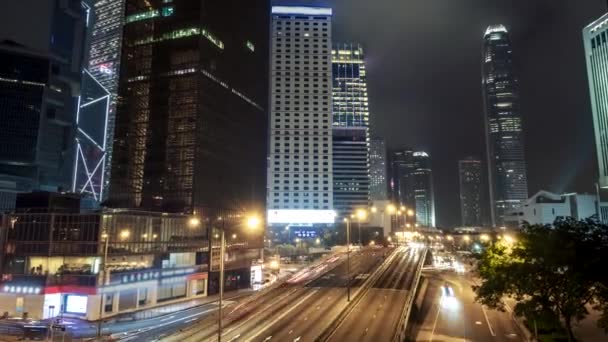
[545, 207]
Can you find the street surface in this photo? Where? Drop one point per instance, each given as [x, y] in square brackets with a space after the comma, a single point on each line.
[299, 310]
[376, 316]
[459, 318]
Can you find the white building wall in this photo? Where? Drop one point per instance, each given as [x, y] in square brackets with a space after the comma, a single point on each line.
[300, 157]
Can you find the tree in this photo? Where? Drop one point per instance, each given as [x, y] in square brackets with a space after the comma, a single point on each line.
[552, 271]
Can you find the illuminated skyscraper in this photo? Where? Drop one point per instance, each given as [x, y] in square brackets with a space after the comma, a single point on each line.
[104, 59]
[503, 121]
[470, 177]
[421, 189]
[595, 37]
[191, 120]
[378, 170]
[300, 160]
[350, 134]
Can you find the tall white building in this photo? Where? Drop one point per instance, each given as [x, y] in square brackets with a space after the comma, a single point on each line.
[595, 37]
[300, 150]
[378, 170]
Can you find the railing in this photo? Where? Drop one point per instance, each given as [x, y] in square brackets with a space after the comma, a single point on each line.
[401, 331]
[52, 280]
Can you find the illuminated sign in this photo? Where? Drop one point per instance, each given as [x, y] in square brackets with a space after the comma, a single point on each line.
[305, 233]
[301, 10]
[76, 304]
[301, 216]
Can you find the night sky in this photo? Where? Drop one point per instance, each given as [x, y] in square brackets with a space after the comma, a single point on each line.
[424, 74]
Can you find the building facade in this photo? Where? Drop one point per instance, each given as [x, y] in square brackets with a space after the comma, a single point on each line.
[191, 122]
[350, 133]
[39, 89]
[470, 173]
[91, 139]
[503, 124]
[105, 42]
[546, 207]
[422, 190]
[87, 264]
[378, 170]
[401, 165]
[300, 170]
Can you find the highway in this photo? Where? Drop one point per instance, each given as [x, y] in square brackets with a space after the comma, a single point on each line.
[376, 316]
[459, 317]
[298, 310]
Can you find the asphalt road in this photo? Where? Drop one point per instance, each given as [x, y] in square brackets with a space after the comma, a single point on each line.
[376, 316]
[310, 308]
[460, 318]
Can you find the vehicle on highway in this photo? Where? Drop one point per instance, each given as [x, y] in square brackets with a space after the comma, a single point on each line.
[447, 290]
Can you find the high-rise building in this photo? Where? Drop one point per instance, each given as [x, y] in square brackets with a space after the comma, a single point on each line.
[470, 176]
[401, 165]
[503, 121]
[421, 188]
[40, 72]
[350, 134]
[300, 179]
[191, 121]
[378, 170]
[91, 139]
[104, 59]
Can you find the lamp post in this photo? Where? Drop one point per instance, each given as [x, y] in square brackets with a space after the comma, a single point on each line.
[347, 258]
[124, 234]
[252, 222]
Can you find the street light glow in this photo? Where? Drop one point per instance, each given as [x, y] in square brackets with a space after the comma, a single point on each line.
[374, 209]
[509, 239]
[484, 237]
[391, 209]
[194, 221]
[361, 214]
[253, 222]
[410, 212]
[125, 234]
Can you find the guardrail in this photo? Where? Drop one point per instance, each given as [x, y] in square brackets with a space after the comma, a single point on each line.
[401, 331]
[356, 298]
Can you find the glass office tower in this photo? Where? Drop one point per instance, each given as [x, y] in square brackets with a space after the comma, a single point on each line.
[191, 120]
[350, 134]
[378, 170]
[470, 179]
[503, 124]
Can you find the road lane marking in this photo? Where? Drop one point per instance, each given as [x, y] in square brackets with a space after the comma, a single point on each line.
[436, 319]
[290, 331]
[234, 338]
[167, 318]
[478, 322]
[297, 339]
[485, 314]
[284, 314]
[267, 338]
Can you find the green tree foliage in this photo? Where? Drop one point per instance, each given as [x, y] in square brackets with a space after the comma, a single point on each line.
[552, 271]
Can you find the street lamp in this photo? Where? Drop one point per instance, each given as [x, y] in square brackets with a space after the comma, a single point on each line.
[484, 237]
[194, 222]
[252, 222]
[347, 258]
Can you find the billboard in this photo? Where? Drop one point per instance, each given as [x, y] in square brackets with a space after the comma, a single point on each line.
[289, 216]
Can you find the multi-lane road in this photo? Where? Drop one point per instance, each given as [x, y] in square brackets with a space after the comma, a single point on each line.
[299, 310]
[375, 317]
[456, 316]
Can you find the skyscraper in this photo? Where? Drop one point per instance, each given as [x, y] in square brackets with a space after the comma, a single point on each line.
[503, 125]
[401, 165]
[421, 188]
[350, 134]
[191, 124]
[378, 170]
[104, 59]
[40, 75]
[595, 36]
[470, 177]
[300, 168]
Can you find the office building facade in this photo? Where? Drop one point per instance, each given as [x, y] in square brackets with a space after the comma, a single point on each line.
[503, 124]
[105, 42]
[401, 165]
[300, 170]
[378, 170]
[422, 190]
[350, 134]
[40, 73]
[470, 174]
[191, 122]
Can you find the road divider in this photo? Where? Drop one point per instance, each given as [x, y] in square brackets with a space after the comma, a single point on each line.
[401, 331]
